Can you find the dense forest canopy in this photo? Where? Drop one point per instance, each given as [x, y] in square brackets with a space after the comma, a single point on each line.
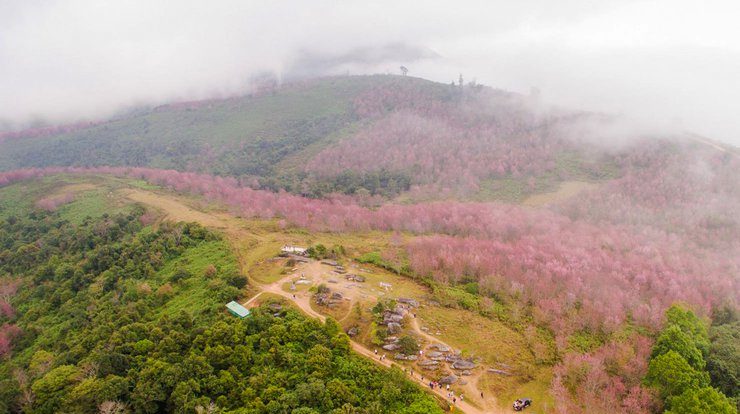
[115, 313]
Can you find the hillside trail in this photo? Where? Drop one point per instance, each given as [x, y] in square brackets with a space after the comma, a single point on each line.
[471, 388]
[176, 210]
[303, 301]
[707, 141]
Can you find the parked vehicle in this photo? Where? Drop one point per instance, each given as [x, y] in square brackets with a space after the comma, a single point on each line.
[522, 403]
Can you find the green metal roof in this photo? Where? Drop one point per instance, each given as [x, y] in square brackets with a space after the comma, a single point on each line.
[237, 309]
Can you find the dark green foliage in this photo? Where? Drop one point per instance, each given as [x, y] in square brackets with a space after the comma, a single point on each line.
[383, 305]
[723, 362]
[408, 345]
[383, 182]
[677, 365]
[317, 252]
[376, 259]
[106, 315]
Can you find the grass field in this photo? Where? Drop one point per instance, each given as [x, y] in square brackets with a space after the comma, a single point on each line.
[494, 345]
[92, 197]
[194, 291]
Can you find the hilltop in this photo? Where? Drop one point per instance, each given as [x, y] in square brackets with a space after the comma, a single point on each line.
[360, 135]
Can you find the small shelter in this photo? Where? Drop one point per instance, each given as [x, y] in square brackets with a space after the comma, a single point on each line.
[237, 310]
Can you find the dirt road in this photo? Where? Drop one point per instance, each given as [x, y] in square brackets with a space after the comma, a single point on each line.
[303, 301]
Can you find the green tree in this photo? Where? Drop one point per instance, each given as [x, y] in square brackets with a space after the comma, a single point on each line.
[52, 388]
[700, 401]
[408, 345]
[87, 395]
[691, 325]
[672, 375]
[723, 362]
[673, 338]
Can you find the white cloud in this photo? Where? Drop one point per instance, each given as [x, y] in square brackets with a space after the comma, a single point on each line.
[659, 61]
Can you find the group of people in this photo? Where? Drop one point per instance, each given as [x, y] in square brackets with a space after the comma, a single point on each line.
[432, 384]
[450, 393]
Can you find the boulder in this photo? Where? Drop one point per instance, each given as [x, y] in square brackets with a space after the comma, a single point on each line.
[435, 354]
[498, 371]
[411, 357]
[336, 295]
[408, 301]
[353, 331]
[450, 379]
[463, 382]
[332, 281]
[391, 347]
[466, 373]
[400, 356]
[440, 347]
[428, 363]
[392, 318]
[463, 364]
[391, 339]
[394, 327]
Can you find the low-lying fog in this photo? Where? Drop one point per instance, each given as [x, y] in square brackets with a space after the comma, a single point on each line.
[666, 62]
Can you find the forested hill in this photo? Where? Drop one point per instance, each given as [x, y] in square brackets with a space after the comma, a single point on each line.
[378, 135]
[240, 137]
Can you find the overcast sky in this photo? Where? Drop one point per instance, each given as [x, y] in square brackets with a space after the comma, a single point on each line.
[664, 62]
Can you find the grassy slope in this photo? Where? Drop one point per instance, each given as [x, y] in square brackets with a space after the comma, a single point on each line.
[92, 196]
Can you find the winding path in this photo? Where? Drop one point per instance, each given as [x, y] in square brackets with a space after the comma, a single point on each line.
[303, 301]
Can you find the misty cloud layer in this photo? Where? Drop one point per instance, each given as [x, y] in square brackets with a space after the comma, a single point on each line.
[662, 63]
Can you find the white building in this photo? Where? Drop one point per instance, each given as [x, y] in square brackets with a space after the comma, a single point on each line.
[293, 250]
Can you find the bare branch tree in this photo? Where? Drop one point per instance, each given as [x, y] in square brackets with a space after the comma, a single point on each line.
[112, 407]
